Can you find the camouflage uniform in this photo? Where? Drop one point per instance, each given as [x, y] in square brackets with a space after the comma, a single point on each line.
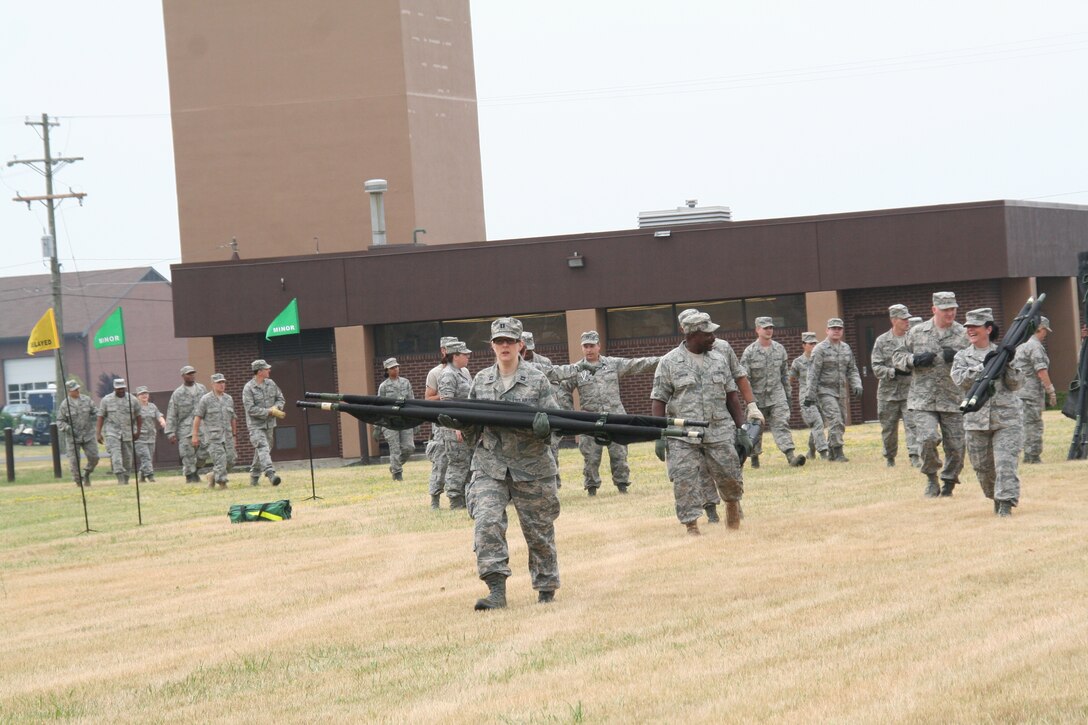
[800, 370]
[455, 383]
[1030, 358]
[257, 398]
[79, 422]
[436, 447]
[216, 413]
[934, 399]
[514, 465]
[696, 388]
[401, 442]
[891, 395]
[768, 372]
[145, 444]
[179, 422]
[994, 433]
[598, 386]
[119, 417]
[833, 366]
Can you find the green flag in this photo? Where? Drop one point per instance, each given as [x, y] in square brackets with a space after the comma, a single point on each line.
[112, 331]
[286, 322]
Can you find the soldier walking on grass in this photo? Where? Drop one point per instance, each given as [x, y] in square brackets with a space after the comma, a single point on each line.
[1037, 390]
[768, 371]
[76, 417]
[833, 371]
[893, 387]
[401, 442]
[800, 370]
[216, 412]
[152, 421]
[263, 402]
[179, 423]
[118, 414]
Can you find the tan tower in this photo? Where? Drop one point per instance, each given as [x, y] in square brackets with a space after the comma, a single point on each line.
[282, 109]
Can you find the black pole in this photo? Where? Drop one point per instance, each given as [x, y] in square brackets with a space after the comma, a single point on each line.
[79, 470]
[9, 452]
[306, 419]
[54, 445]
[132, 430]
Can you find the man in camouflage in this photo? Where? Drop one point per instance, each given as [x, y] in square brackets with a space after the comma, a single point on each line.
[800, 370]
[563, 397]
[436, 447]
[76, 415]
[119, 415]
[179, 423]
[512, 465]
[893, 387]
[833, 369]
[768, 370]
[401, 443]
[934, 399]
[994, 432]
[263, 402]
[598, 384]
[694, 381]
[455, 384]
[215, 412]
[1037, 391]
[151, 421]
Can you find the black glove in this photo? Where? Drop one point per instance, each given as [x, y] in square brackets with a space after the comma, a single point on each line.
[447, 422]
[924, 359]
[902, 373]
[660, 446]
[807, 402]
[541, 427]
[948, 354]
[743, 444]
[989, 356]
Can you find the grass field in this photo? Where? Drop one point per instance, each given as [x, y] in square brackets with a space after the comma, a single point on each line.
[846, 596]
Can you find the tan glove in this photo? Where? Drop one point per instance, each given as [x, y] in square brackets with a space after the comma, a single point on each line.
[277, 413]
[1051, 397]
[753, 413]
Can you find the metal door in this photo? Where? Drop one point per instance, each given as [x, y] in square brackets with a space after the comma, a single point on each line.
[869, 328]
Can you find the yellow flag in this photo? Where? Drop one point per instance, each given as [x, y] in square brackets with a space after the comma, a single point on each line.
[44, 335]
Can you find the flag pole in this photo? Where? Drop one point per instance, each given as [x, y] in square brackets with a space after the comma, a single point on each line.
[75, 449]
[132, 430]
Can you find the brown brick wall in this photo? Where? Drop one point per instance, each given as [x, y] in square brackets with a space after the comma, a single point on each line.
[233, 355]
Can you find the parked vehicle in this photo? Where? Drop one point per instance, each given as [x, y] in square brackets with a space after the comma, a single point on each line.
[33, 428]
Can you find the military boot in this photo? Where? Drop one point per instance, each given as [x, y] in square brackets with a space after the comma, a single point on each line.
[545, 596]
[733, 514]
[87, 477]
[693, 528]
[890, 462]
[150, 478]
[457, 503]
[1004, 509]
[398, 476]
[712, 513]
[933, 489]
[141, 478]
[496, 598]
[122, 479]
[1032, 459]
[622, 487]
[435, 498]
[795, 461]
[276, 480]
[915, 461]
[254, 479]
[947, 486]
[824, 454]
[591, 491]
[755, 461]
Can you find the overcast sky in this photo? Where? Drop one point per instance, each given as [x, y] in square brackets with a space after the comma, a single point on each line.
[593, 110]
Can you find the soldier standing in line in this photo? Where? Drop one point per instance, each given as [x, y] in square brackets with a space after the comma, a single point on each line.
[833, 369]
[76, 415]
[563, 397]
[216, 411]
[893, 386]
[152, 421]
[692, 381]
[436, 446]
[119, 413]
[401, 443]
[598, 384]
[455, 383]
[1037, 390]
[934, 399]
[263, 402]
[800, 370]
[768, 370]
[994, 432]
[179, 423]
[512, 466]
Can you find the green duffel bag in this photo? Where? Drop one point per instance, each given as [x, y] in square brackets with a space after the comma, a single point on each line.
[273, 511]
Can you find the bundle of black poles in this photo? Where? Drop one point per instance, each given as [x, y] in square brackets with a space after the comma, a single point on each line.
[605, 428]
[1078, 391]
[1022, 327]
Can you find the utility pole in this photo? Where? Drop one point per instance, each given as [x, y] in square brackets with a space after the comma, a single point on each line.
[49, 243]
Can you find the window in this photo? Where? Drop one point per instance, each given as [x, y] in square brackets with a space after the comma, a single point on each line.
[641, 321]
[739, 314]
[785, 310]
[17, 391]
[728, 313]
[406, 339]
[413, 338]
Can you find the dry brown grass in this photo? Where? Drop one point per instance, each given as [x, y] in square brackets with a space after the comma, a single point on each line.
[846, 596]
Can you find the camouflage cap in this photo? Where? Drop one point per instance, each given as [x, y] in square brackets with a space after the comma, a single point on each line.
[764, 322]
[944, 300]
[835, 322]
[142, 389]
[698, 322]
[809, 337]
[506, 327]
[527, 338]
[259, 365]
[119, 383]
[446, 341]
[1044, 324]
[899, 312]
[72, 385]
[186, 369]
[219, 378]
[457, 348]
[591, 337]
[915, 321]
[391, 362]
[981, 316]
[686, 313]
